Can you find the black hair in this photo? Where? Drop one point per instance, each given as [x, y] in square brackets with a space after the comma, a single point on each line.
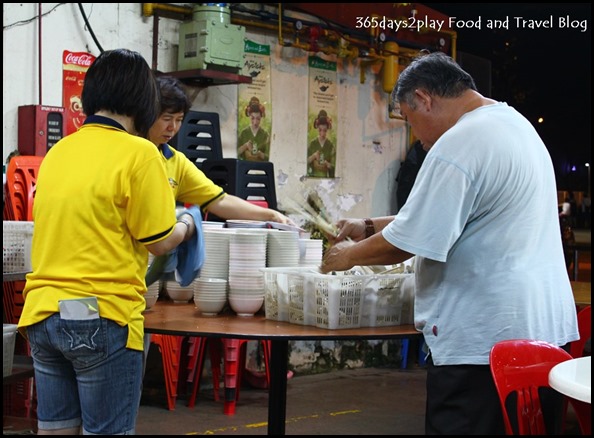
[174, 98]
[121, 81]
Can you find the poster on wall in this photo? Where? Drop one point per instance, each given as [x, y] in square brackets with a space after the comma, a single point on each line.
[74, 66]
[254, 120]
[322, 114]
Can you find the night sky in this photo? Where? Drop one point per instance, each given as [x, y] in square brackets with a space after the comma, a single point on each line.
[542, 72]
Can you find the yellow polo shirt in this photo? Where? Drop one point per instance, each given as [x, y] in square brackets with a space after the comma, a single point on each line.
[102, 194]
[190, 185]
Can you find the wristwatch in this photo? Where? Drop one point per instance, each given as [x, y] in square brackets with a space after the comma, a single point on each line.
[369, 228]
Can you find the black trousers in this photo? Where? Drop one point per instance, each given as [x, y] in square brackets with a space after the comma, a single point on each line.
[463, 400]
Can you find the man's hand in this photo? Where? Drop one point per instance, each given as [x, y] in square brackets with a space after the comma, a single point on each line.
[336, 257]
[353, 229]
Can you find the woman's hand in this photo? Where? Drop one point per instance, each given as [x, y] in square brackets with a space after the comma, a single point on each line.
[281, 218]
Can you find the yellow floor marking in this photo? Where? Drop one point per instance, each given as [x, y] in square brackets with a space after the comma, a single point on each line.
[265, 423]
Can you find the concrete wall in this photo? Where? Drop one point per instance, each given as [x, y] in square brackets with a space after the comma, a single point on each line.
[371, 145]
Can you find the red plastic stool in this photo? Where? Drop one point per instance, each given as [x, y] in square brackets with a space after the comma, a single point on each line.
[170, 348]
[235, 351]
[234, 359]
[197, 353]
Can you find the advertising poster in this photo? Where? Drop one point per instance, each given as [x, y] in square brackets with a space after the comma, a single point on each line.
[322, 116]
[75, 65]
[254, 120]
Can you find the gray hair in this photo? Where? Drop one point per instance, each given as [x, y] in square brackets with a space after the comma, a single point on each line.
[436, 73]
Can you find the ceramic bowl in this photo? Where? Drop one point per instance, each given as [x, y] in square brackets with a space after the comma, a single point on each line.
[179, 294]
[245, 305]
[151, 300]
[209, 307]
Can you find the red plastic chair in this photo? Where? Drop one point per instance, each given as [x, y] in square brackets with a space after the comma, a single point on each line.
[522, 366]
[21, 182]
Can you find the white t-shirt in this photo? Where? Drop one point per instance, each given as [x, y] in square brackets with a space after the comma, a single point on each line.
[482, 220]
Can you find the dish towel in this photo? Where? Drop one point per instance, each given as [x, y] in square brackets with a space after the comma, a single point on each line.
[185, 260]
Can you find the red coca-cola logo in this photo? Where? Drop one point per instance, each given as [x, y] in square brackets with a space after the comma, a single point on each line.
[82, 59]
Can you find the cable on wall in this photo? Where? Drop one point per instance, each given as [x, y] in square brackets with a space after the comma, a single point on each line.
[82, 11]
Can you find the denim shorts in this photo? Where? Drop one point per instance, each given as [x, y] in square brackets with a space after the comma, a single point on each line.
[85, 375]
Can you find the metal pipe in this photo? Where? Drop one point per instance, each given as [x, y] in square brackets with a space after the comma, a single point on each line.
[155, 41]
[148, 9]
[39, 54]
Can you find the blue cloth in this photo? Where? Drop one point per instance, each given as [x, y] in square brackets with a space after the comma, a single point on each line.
[188, 257]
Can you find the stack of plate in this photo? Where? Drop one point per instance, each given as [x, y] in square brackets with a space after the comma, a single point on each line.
[246, 224]
[283, 249]
[209, 225]
[210, 295]
[247, 256]
[310, 252]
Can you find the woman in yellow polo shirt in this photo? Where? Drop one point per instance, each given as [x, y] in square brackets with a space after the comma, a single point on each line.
[189, 183]
[98, 209]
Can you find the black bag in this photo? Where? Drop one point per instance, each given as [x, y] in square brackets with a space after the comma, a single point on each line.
[408, 172]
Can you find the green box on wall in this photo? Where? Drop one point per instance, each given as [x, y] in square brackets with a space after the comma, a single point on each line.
[209, 41]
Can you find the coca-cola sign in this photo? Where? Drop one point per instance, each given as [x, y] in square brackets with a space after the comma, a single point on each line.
[81, 59]
[75, 66]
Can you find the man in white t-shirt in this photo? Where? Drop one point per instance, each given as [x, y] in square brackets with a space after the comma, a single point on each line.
[482, 223]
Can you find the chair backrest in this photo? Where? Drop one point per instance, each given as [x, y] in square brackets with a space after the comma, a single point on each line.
[249, 180]
[522, 366]
[199, 137]
[21, 183]
[576, 348]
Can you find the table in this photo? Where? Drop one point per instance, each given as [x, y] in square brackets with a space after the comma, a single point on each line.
[572, 378]
[184, 320]
[582, 292]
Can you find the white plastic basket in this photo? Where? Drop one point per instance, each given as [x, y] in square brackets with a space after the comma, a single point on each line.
[17, 237]
[9, 337]
[306, 297]
[388, 300]
[338, 300]
[302, 305]
[276, 291]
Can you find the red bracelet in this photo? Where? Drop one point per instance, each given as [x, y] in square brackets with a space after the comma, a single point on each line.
[369, 228]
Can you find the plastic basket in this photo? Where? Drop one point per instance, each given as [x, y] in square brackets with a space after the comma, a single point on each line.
[338, 300]
[304, 296]
[17, 237]
[388, 300]
[10, 331]
[276, 291]
[301, 304]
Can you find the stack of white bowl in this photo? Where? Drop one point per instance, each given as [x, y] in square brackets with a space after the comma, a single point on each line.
[310, 252]
[152, 294]
[247, 256]
[216, 249]
[179, 294]
[210, 295]
[283, 249]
